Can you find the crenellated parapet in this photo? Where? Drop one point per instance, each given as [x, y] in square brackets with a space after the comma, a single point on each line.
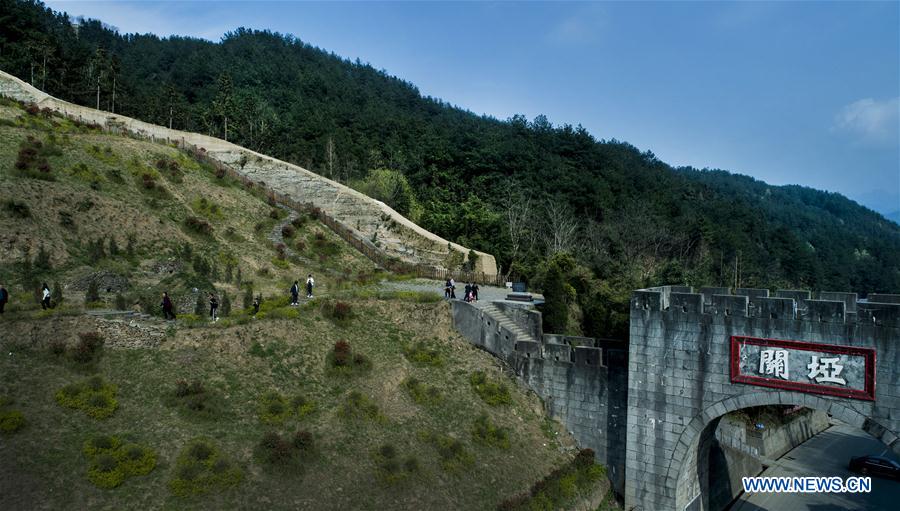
[789, 304]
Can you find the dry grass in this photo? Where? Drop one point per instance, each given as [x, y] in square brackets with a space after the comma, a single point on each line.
[46, 455]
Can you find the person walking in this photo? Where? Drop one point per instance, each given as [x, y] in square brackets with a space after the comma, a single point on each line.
[213, 307]
[167, 307]
[45, 296]
[4, 297]
[452, 289]
[310, 282]
[475, 291]
[256, 302]
[295, 293]
[468, 296]
[447, 289]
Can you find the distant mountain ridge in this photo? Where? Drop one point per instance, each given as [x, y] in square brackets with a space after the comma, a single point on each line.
[639, 221]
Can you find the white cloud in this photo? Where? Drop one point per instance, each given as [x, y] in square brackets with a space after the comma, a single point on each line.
[871, 120]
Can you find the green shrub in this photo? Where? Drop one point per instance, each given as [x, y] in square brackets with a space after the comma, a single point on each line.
[301, 406]
[274, 408]
[276, 450]
[422, 394]
[359, 407]
[111, 461]
[88, 348]
[11, 421]
[57, 347]
[492, 393]
[452, 453]
[192, 399]
[201, 468]
[484, 432]
[101, 444]
[390, 468]
[97, 400]
[561, 488]
[419, 354]
[303, 441]
[203, 206]
[198, 225]
[16, 209]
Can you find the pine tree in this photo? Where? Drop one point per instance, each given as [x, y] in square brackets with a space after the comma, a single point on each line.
[200, 306]
[129, 248]
[237, 279]
[248, 297]
[56, 296]
[557, 293]
[113, 247]
[225, 306]
[42, 259]
[121, 304]
[92, 295]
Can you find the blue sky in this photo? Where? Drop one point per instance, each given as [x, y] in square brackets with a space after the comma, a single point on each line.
[801, 92]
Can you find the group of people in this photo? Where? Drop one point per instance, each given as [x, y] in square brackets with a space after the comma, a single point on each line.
[295, 289]
[168, 307]
[471, 291]
[45, 297]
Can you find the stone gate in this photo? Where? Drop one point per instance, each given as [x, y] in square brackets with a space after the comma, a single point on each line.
[694, 357]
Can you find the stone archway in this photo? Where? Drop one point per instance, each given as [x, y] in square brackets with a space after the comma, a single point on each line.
[682, 478]
[693, 357]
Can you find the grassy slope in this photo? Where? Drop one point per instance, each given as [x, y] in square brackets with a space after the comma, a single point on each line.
[121, 207]
[42, 467]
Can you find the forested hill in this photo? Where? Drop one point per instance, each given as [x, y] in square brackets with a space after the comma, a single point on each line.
[520, 189]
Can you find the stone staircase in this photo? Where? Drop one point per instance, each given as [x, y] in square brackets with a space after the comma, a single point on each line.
[123, 315]
[503, 320]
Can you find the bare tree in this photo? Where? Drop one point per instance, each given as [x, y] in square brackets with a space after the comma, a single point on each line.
[520, 215]
[330, 156]
[561, 229]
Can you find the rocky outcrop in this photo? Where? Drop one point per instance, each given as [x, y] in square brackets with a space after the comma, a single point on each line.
[368, 219]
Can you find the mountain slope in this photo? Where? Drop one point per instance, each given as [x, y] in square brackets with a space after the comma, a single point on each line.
[82, 202]
[641, 221]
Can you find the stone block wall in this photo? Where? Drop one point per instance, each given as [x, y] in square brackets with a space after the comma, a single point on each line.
[583, 386]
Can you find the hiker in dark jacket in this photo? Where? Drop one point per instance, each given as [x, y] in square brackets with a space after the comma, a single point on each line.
[468, 296]
[213, 307]
[167, 307]
[475, 291]
[295, 293]
[256, 302]
[447, 289]
[4, 297]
